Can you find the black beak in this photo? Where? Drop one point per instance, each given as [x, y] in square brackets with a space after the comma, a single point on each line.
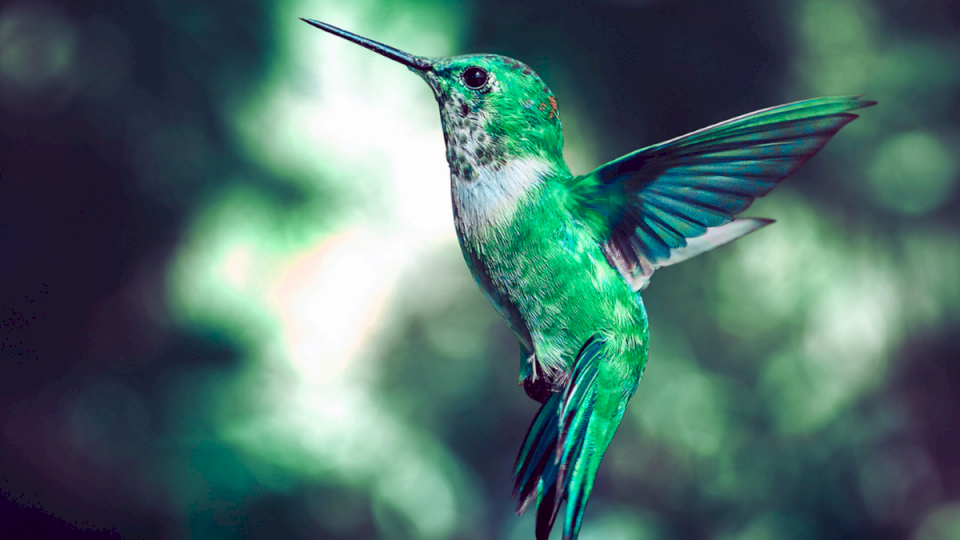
[418, 63]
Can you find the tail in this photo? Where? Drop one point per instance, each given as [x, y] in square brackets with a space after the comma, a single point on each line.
[563, 448]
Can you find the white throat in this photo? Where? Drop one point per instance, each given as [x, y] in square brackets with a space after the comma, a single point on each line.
[493, 195]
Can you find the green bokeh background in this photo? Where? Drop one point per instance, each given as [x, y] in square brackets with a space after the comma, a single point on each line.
[235, 306]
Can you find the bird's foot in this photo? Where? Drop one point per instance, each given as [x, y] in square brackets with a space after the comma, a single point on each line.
[542, 383]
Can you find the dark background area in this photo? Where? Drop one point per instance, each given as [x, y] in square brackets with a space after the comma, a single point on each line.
[802, 385]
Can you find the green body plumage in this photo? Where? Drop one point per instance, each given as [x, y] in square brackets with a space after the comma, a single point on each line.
[563, 258]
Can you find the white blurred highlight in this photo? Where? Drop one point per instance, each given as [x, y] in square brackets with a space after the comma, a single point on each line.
[340, 122]
[330, 298]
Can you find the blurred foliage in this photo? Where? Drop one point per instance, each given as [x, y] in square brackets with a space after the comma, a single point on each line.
[235, 306]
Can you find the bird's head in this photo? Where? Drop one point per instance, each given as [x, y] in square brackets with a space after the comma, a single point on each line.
[493, 108]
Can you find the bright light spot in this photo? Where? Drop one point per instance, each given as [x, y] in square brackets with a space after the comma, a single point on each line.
[684, 408]
[940, 523]
[358, 121]
[851, 295]
[224, 265]
[237, 265]
[307, 285]
[854, 320]
[37, 56]
[337, 430]
[913, 173]
[772, 272]
[838, 52]
[844, 351]
[328, 300]
[424, 495]
[36, 45]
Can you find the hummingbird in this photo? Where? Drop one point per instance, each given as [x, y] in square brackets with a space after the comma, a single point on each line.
[563, 257]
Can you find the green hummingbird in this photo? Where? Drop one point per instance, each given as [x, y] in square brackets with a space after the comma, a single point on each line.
[563, 258]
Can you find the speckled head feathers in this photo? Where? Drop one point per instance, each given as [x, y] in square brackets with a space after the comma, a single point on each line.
[493, 109]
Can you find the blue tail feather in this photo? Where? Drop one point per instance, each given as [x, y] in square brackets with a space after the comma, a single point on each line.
[537, 460]
[556, 462]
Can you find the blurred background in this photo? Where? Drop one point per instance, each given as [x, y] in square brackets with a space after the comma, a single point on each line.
[233, 305]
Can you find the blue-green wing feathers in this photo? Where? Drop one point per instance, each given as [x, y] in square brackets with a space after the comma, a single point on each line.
[658, 200]
[656, 207]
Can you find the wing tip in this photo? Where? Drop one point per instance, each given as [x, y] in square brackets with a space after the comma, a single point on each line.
[853, 102]
[758, 223]
[857, 102]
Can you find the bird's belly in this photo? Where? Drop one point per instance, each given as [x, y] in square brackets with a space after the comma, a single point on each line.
[497, 294]
[548, 277]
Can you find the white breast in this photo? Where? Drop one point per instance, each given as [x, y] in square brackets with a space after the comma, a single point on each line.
[492, 196]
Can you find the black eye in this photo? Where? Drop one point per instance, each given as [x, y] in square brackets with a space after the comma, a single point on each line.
[475, 77]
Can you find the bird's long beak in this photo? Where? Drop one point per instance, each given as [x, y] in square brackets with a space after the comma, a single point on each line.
[418, 63]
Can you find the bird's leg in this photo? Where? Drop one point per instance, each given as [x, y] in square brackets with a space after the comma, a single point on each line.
[540, 384]
[534, 367]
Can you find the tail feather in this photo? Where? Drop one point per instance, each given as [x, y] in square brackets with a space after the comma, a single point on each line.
[547, 512]
[583, 458]
[536, 460]
[563, 448]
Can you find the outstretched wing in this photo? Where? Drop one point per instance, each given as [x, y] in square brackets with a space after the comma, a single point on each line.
[666, 203]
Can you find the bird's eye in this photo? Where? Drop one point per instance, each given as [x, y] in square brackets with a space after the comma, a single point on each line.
[475, 77]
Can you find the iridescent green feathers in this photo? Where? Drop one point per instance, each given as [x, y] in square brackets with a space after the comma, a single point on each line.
[513, 112]
[562, 256]
[563, 448]
[655, 201]
[553, 463]
[658, 206]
